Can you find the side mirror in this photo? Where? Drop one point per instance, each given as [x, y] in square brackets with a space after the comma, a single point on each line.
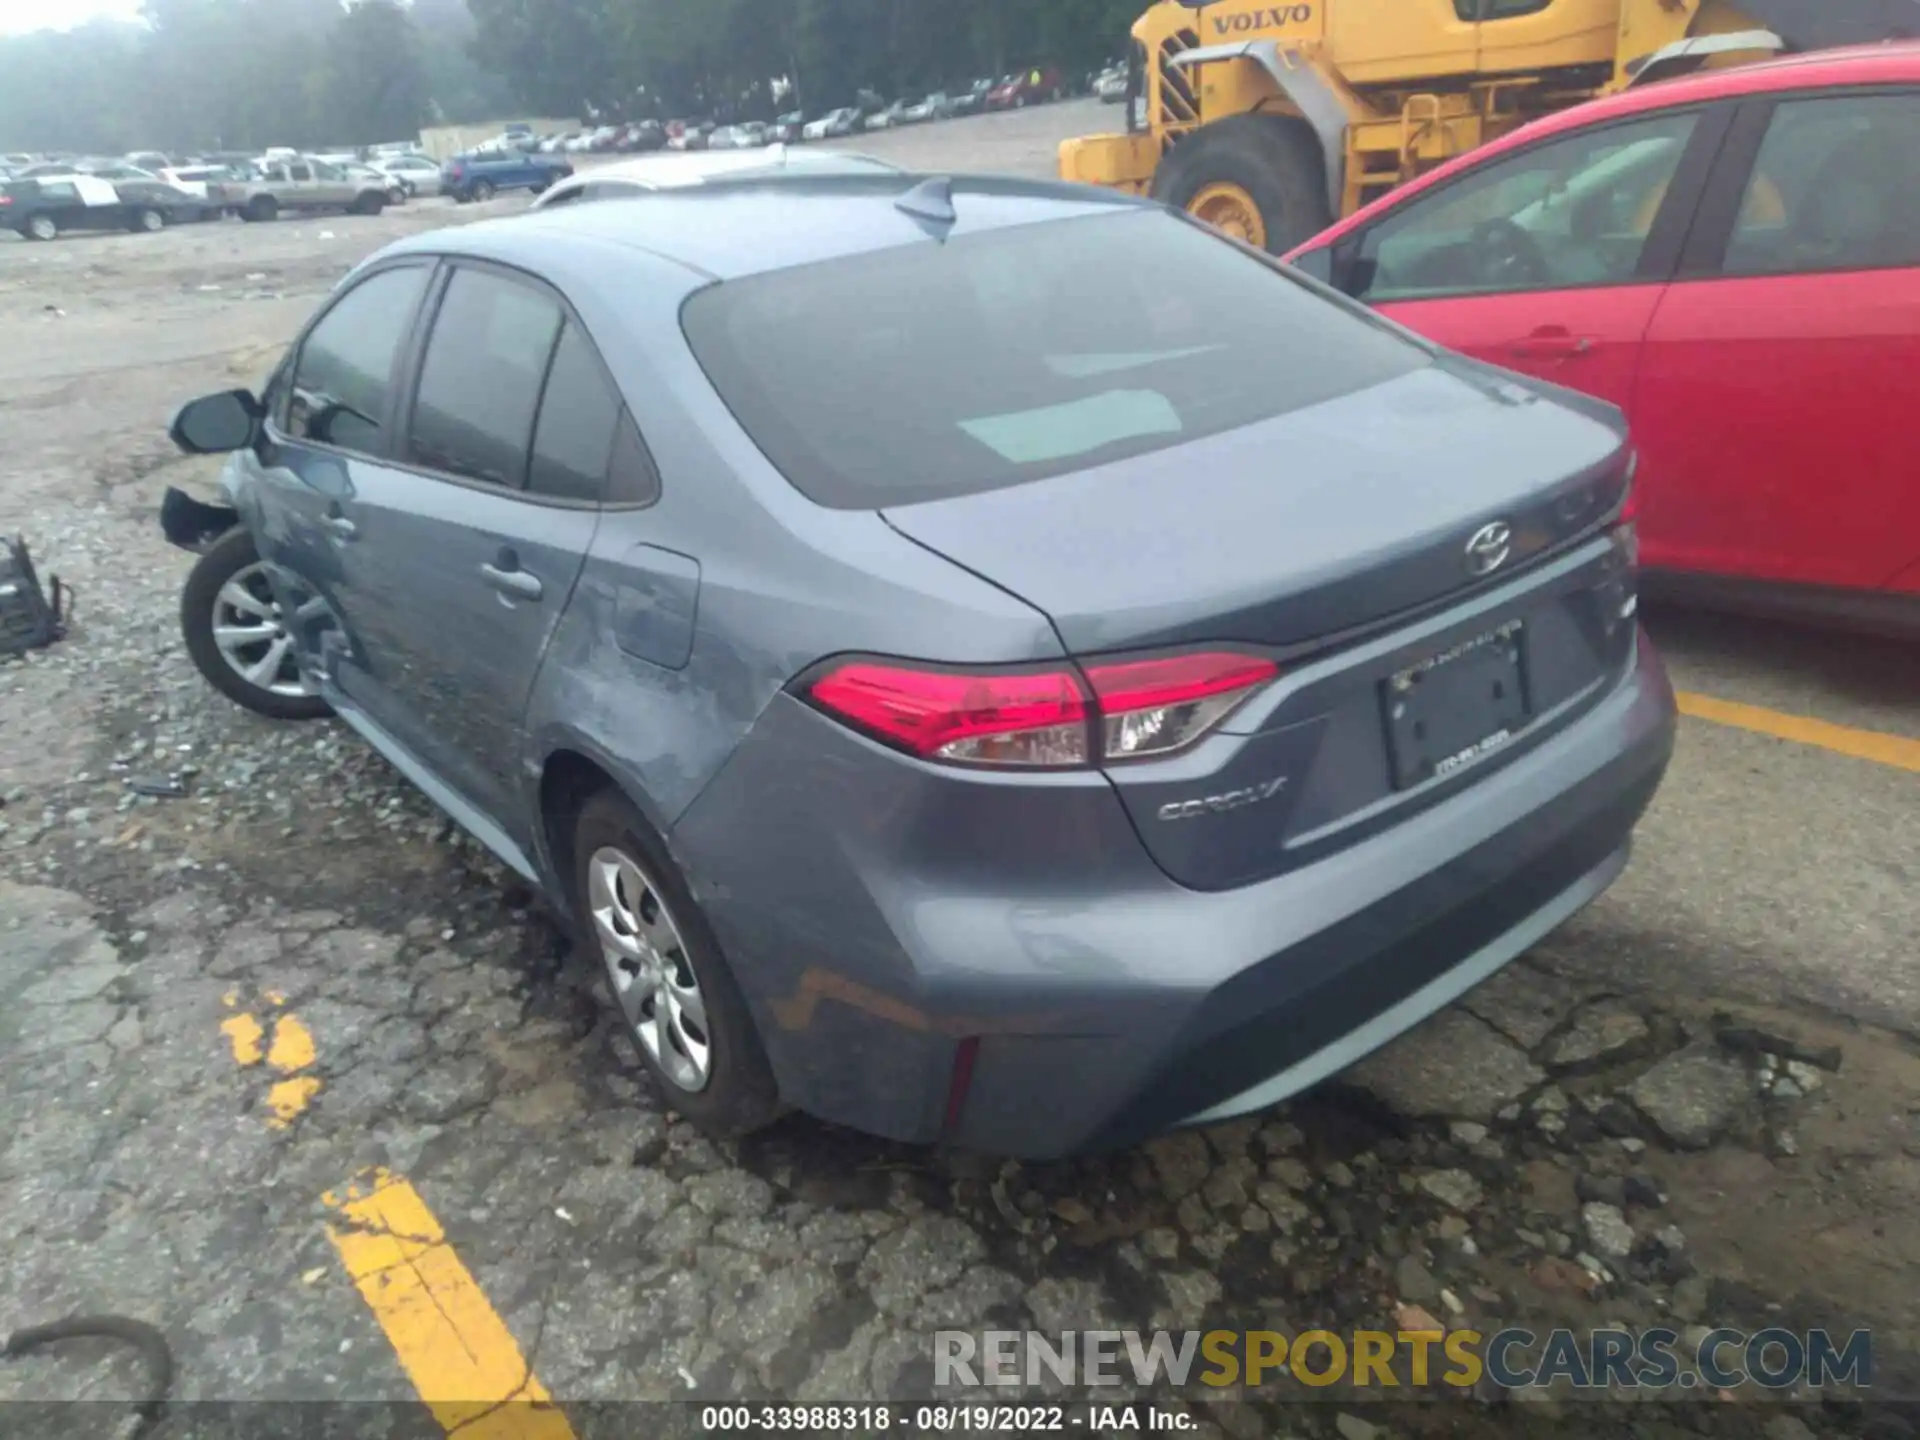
[217, 424]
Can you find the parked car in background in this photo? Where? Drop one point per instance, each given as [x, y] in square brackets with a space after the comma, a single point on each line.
[476, 177]
[419, 174]
[1733, 259]
[833, 125]
[787, 129]
[970, 100]
[43, 208]
[643, 136]
[396, 188]
[196, 178]
[627, 178]
[299, 184]
[937, 106]
[553, 144]
[1110, 85]
[692, 137]
[887, 118]
[1029, 87]
[749, 136]
[1207, 778]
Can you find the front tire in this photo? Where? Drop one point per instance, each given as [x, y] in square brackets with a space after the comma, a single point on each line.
[237, 636]
[148, 219]
[261, 208]
[671, 987]
[1259, 178]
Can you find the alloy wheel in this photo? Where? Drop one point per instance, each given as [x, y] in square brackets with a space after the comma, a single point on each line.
[649, 968]
[250, 630]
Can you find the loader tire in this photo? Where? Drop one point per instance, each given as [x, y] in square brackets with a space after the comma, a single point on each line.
[1259, 178]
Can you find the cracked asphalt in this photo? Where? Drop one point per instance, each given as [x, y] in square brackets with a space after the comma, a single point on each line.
[1697, 1105]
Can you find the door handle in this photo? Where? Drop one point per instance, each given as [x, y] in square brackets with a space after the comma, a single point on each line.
[518, 583]
[1552, 344]
[341, 527]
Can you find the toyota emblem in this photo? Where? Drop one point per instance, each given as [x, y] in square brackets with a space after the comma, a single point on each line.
[1489, 548]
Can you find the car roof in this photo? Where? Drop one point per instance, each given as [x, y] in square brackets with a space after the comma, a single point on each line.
[1888, 62]
[730, 231]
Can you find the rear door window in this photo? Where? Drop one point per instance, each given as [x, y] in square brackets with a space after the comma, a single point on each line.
[1836, 186]
[480, 381]
[933, 370]
[579, 412]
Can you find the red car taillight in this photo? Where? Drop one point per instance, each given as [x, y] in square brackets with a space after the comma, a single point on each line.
[1049, 718]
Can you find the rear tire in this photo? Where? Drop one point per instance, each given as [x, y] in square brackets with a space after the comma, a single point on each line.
[1273, 160]
[735, 1093]
[261, 209]
[203, 606]
[41, 227]
[482, 191]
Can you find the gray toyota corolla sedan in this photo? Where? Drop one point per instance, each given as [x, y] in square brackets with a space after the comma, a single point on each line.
[979, 661]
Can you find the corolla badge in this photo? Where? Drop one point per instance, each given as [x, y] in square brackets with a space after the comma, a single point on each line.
[1489, 548]
[1222, 804]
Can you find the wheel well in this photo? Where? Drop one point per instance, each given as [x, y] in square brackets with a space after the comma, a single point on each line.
[566, 783]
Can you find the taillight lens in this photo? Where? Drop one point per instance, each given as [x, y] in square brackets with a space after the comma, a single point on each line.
[1042, 719]
[1154, 707]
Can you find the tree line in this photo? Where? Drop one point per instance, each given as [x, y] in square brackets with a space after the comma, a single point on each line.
[245, 74]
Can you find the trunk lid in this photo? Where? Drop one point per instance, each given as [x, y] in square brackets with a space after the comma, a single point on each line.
[1297, 529]
[1337, 540]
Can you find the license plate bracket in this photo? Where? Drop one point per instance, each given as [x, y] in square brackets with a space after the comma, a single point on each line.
[1455, 708]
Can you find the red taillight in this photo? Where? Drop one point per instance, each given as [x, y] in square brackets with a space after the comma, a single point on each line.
[968, 716]
[6, 199]
[1137, 708]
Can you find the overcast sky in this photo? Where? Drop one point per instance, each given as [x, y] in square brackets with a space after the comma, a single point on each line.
[19, 15]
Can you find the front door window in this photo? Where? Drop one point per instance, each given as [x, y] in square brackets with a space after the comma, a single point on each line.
[1571, 213]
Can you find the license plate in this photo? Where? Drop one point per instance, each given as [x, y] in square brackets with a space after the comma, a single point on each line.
[1454, 709]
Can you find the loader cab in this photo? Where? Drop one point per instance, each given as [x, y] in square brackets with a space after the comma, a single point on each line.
[1394, 42]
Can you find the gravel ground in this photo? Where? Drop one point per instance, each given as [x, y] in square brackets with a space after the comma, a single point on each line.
[1654, 1120]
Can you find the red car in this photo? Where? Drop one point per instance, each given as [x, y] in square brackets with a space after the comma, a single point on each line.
[1029, 87]
[1733, 259]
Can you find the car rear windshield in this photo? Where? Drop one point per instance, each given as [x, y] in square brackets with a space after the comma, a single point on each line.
[936, 370]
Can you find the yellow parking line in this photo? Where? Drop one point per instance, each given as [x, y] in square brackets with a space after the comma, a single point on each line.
[449, 1339]
[1895, 750]
[453, 1345]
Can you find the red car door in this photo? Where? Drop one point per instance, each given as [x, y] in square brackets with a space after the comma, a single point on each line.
[1782, 368]
[1550, 260]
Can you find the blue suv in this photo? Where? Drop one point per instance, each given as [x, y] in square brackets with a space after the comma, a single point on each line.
[482, 176]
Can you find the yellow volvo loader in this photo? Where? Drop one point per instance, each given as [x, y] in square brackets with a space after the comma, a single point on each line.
[1268, 120]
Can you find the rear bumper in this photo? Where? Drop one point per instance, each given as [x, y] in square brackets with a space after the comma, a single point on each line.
[875, 932]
